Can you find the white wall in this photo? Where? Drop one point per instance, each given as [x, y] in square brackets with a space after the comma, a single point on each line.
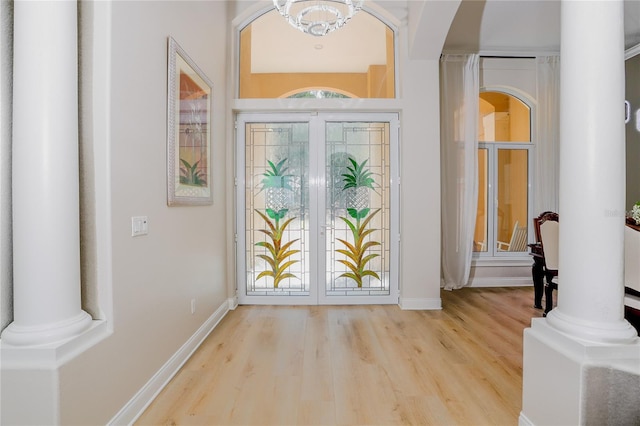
[420, 185]
[517, 74]
[145, 284]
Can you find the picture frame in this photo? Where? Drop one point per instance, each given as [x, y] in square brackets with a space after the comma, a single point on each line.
[189, 118]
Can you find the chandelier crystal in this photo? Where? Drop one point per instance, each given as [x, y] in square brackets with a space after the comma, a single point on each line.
[318, 17]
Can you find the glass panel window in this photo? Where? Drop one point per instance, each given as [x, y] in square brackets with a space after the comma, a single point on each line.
[318, 94]
[512, 200]
[503, 118]
[482, 219]
[504, 178]
[277, 61]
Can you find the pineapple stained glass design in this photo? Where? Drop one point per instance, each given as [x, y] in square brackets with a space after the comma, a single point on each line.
[357, 184]
[279, 196]
[357, 209]
[276, 209]
[350, 229]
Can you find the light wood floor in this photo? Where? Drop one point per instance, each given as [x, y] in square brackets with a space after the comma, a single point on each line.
[357, 365]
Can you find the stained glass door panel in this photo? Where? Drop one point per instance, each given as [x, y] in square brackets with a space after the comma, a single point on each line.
[276, 209]
[315, 209]
[357, 209]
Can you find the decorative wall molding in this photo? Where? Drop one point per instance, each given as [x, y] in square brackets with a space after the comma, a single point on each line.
[141, 400]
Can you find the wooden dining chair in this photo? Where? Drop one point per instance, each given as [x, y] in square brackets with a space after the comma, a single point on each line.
[547, 232]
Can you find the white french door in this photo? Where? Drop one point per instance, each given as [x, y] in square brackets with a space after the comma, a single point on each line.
[317, 208]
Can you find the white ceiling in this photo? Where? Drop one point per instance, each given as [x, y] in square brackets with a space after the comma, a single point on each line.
[511, 26]
[500, 27]
[520, 26]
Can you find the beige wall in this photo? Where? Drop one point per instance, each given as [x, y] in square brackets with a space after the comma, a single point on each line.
[420, 182]
[144, 284]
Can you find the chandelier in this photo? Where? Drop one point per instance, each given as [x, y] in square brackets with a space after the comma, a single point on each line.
[318, 17]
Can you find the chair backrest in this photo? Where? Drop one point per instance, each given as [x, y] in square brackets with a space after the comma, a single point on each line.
[544, 216]
[518, 238]
[632, 258]
[549, 240]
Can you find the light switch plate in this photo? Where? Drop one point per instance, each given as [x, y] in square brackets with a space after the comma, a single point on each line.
[139, 226]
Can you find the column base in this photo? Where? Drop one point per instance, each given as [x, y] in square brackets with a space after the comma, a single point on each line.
[618, 332]
[17, 335]
[567, 380]
[32, 373]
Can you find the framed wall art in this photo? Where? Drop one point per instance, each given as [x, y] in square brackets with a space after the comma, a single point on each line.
[189, 116]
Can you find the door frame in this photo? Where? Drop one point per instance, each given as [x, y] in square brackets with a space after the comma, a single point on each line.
[317, 151]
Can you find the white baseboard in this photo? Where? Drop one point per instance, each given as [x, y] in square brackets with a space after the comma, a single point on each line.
[426, 304]
[233, 303]
[524, 421]
[632, 301]
[141, 400]
[501, 282]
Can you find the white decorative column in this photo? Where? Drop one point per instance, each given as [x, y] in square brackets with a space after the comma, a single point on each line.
[581, 361]
[46, 251]
[592, 173]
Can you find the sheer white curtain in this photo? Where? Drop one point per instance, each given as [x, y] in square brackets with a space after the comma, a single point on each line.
[548, 125]
[459, 91]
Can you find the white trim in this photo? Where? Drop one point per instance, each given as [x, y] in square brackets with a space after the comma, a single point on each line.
[233, 302]
[632, 51]
[273, 106]
[501, 282]
[145, 396]
[632, 301]
[420, 304]
[504, 53]
[519, 261]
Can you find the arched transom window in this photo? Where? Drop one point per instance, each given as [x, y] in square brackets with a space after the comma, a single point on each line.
[278, 61]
